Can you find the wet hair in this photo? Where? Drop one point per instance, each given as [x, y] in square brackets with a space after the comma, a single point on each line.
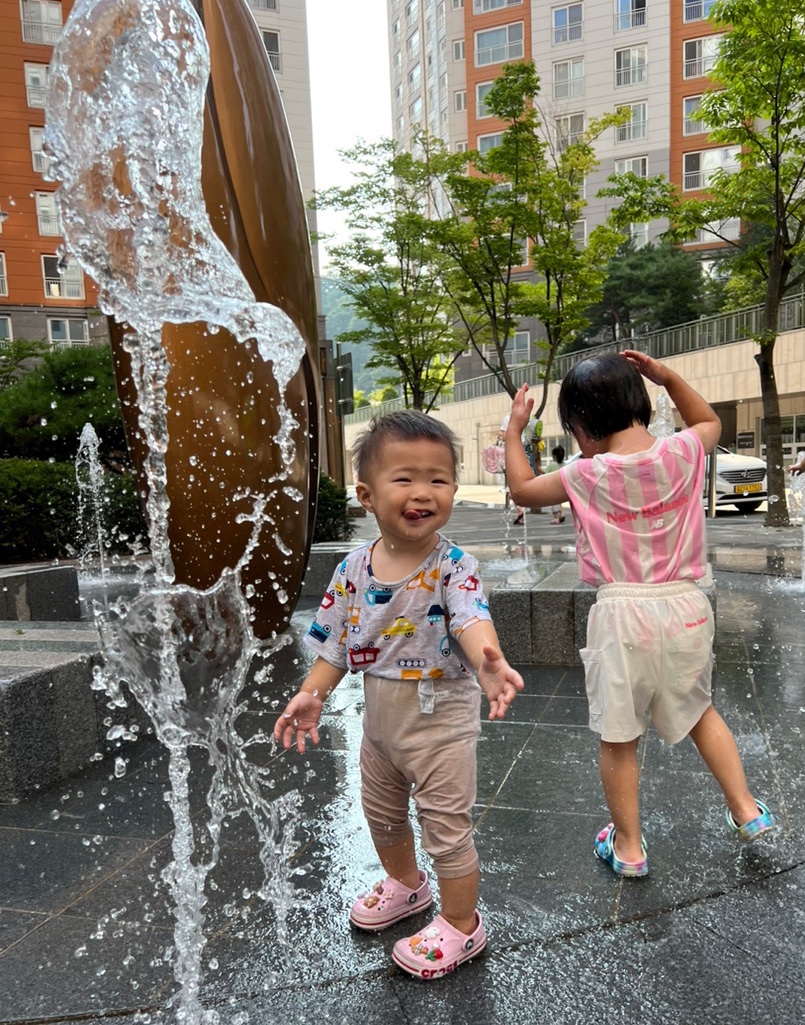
[602, 395]
[403, 425]
[558, 454]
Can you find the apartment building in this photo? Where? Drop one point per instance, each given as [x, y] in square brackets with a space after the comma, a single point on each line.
[44, 295]
[652, 57]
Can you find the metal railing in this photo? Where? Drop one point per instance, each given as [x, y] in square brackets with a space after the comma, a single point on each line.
[704, 333]
[36, 31]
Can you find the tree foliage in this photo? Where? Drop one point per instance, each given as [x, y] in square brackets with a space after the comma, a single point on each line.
[759, 106]
[16, 358]
[391, 273]
[647, 289]
[524, 198]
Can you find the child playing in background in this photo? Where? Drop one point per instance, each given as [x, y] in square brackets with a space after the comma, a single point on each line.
[410, 607]
[557, 459]
[637, 505]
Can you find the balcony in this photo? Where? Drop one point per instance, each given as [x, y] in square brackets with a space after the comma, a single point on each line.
[263, 5]
[59, 288]
[34, 30]
[499, 54]
[49, 223]
[625, 20]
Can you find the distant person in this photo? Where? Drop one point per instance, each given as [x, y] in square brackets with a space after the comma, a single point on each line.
[795, 469]
[636, 501]
[409, 610]
[557, 459]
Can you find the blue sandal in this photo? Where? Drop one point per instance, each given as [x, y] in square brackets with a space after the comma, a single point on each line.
[604, 850]
[754, 828]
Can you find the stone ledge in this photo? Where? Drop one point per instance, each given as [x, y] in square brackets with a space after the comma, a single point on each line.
[324, 557]
[44, 594]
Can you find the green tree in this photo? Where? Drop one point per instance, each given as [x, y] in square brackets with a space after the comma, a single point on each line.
[526, 196]
[647, 289]
[387, 268]
[43, 413]
[759, 106]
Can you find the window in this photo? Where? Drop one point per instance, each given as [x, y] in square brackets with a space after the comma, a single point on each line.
[41, 21]
[412, 45]
[458, 50]
[698, 168]
[264, 5]
[415, 111]
[725, 231]
[569, 129]
[630, 66]
[489, 142]
[38, 158]
[482, 6]
[5, 330]
[567, 23]
[690, 124]
[632, 165]
[699, 56]
[63, 279]
[461, 147]
[458, 5]
[397, 63]
[481, 89]
[415, 77]
[518, 348]
[74, 331]
[638, 234]
[47, 214]
[580, 233]
[460, 100]
[36, 84]
[412, 10]
[568, 79]
[272, 45]
[637, 127]
[499, 44]
[3, 278]
[629, 14]
[697, 10]
[398, 94]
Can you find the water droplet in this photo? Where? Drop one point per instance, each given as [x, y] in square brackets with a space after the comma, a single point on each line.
[120, 767]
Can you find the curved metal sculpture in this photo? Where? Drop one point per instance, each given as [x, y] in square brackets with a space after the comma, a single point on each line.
[222, 396]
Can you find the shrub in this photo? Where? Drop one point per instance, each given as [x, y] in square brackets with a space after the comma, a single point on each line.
[40, 511]
[332, 519]
[43, 412]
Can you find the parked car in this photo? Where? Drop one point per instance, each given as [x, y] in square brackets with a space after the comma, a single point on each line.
[740, 480]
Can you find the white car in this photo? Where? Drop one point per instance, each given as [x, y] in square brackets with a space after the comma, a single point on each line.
[740, 480]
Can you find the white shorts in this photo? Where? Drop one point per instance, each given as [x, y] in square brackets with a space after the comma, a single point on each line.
[649, 655]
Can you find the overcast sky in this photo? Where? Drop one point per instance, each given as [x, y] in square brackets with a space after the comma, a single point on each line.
[349, 81]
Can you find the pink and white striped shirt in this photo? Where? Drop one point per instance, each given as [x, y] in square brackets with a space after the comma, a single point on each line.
[639, 517]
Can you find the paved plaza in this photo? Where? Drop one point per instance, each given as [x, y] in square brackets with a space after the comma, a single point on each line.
[714, 935]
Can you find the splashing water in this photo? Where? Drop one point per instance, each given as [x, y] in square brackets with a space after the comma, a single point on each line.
[796, 508]
[663, 425]
[89, 477]
[124, 136]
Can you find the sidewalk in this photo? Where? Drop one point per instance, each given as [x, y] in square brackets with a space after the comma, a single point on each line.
[714, 936]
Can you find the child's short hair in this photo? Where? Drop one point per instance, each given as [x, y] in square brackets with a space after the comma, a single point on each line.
[403, 425]
[558, 453]
[602, 395]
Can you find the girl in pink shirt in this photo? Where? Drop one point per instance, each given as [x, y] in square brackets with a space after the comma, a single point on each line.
[637, 507]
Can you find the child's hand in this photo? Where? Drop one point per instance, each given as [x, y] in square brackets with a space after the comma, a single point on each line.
[499, 681]
[301, 716]
[648, 367]
[520, 411]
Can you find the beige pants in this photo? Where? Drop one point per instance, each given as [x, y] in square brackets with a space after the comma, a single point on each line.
[431, 757]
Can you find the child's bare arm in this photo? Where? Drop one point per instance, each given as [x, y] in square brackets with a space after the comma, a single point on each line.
[302, 713]
[525, 488]
[498, 680]
[695, 411]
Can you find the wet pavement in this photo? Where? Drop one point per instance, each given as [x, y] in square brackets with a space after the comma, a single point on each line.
[715, 934]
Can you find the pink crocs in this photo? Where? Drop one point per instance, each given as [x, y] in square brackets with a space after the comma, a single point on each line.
[438, 949]
[389, 902]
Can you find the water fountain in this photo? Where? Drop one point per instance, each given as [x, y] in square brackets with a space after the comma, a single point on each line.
[126, 117]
